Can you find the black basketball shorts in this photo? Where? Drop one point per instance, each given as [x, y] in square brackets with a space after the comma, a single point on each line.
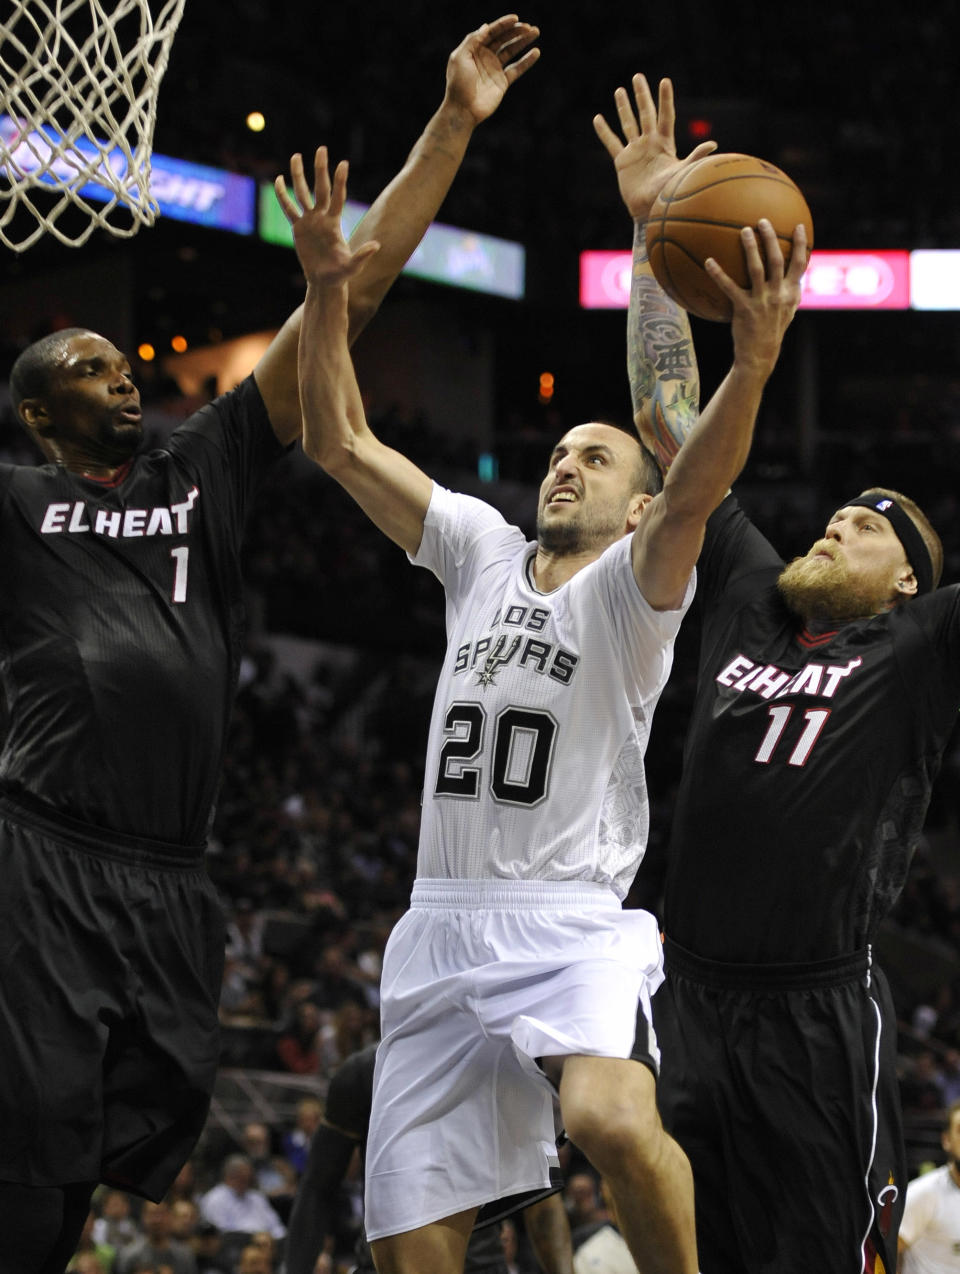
[780, 1084]
[111, 961]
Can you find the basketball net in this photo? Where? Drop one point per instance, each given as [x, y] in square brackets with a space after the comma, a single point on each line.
[78, 102]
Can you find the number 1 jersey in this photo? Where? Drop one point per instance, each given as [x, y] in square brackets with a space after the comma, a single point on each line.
[121, 621]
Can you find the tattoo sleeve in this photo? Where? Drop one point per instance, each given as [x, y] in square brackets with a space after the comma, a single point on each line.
[661, 363]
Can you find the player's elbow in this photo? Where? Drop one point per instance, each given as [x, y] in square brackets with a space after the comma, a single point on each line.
[335, 451]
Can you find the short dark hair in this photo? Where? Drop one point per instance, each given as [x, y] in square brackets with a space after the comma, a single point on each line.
[30, 375]
[652, 474]
[649, 478]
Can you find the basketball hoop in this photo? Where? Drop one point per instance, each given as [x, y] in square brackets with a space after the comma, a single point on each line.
[78, 102]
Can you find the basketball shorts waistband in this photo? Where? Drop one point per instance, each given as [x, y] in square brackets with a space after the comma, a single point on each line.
[851, 967]
[102, 842]
[512, 895]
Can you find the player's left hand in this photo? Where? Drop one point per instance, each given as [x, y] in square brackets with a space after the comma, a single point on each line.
[326, 257]
[647, 157]
[486, 62]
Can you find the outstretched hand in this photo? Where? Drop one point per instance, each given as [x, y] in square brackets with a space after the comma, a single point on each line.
[324, 254]
[487, 61]
[763, 311]
[646, 158]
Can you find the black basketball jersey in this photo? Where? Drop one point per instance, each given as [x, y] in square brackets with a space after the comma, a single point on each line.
[121, 622]
[808, 762]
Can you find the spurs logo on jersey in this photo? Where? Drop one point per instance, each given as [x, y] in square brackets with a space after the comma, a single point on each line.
[78, 517]
[527, 652]
[768, 681]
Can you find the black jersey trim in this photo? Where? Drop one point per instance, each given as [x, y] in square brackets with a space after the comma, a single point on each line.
[499, 1209]
[850, 967]
[531, 582]
[31, 812]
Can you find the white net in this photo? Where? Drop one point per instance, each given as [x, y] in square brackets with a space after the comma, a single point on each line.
[78, 102]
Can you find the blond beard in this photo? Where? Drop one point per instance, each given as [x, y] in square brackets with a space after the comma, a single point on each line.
[816, 589]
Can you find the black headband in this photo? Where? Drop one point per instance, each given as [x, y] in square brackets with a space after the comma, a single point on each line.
[918, 555]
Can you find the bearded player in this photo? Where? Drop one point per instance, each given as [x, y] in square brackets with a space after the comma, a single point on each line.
[827, 691]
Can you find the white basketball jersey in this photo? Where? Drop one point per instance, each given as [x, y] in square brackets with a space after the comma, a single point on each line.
[534, 764]
[931, 1224]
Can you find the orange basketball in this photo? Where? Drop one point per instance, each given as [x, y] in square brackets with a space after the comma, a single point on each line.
[700, 213]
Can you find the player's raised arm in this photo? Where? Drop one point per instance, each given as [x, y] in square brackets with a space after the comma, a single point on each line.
[670, 535]
[661, 363]
[393, 492]
[479, 71]
[701, 455]
[716, 447]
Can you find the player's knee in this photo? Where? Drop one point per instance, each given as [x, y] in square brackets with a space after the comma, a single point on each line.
[615, 1133]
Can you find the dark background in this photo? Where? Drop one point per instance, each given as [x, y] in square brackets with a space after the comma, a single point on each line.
[855, 102]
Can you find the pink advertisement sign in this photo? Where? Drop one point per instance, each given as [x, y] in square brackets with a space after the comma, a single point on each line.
[834, 280]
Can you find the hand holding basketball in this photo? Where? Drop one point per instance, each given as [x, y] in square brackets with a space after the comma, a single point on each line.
[762, 311]
[700, 213]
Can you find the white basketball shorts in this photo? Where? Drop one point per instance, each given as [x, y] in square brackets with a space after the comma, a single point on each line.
[480, 977]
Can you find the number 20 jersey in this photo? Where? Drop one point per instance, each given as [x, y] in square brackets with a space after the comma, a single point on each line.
[534, 764]
[808, 762]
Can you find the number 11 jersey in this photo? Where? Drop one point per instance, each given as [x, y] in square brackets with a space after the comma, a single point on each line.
[808, 762]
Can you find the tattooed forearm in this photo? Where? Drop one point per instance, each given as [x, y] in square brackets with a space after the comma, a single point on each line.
[661, 364]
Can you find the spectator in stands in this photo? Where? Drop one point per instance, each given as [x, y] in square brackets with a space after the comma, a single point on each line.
[922, 1086]
[602, 1249]
[951, 1076]
[104, 1253]
[264, 1242]
[115, 1224]
[299, 1048]
[348, 1031]
[273, 1175]
[581, 1198]
[334, 983]
[254, 1260]
[184, 1219]
[240, 998]
[235, 1205]
[296, 1142]
[184, 1184]
[157, 1246]
[206, 1244]
[929, 1241]
[87, 1263]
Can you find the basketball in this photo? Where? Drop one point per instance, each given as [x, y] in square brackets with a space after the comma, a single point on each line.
[700, 213]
